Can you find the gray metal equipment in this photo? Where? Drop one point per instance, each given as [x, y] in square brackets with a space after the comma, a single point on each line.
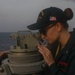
[23, 58]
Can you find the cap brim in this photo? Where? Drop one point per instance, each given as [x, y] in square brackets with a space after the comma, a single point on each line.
[37, 26]
[33, 26]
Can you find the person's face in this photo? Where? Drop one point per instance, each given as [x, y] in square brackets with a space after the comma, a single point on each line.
[51, 33]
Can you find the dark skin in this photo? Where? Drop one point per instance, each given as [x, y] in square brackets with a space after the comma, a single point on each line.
[52, 34]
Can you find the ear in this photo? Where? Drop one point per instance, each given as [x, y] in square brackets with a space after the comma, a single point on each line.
[58, 27]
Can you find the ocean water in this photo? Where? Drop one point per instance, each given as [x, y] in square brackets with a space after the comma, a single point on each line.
[6, 41]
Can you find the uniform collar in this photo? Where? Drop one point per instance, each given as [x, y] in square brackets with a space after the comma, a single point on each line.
[67, 49]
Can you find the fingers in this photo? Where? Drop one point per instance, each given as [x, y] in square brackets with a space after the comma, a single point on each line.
[46, 49]
[46, 53]
[43, 48]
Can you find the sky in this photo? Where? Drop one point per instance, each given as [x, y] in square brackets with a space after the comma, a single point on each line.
[15, 15]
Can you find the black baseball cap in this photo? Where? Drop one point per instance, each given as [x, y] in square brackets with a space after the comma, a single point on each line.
[48, 16]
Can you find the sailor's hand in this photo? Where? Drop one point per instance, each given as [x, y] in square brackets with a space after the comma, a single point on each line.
[47, 55]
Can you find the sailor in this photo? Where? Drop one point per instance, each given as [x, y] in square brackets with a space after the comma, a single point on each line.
[52, 24]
